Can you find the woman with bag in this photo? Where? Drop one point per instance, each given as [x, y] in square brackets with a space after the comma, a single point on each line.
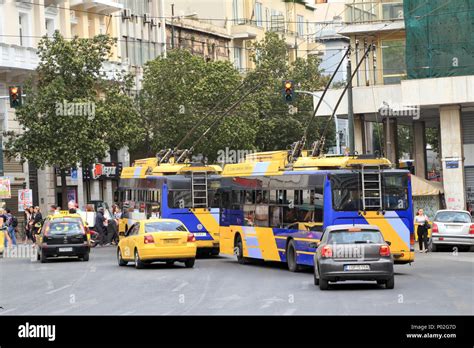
[422, 231]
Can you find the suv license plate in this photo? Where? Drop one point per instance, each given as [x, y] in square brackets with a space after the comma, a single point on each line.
[65, 250]
[356, 268]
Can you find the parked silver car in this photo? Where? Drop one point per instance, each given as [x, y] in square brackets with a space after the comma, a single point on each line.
[353, 252]
[452, 227]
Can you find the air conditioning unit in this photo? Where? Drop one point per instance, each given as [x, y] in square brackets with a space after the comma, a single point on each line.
[146, 18]
[126, 13]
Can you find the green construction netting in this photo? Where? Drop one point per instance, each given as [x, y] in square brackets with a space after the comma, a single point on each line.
[439, 38]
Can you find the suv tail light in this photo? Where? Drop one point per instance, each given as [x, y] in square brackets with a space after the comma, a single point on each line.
[191, 238]
[326, 251]
[148, 239]
[471, 229]
[384, 250]
[434, 228]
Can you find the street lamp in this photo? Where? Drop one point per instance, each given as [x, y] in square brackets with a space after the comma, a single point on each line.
[338, 147]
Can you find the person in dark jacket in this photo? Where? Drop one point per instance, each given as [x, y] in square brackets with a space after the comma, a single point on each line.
[99, 226]
[37, 218]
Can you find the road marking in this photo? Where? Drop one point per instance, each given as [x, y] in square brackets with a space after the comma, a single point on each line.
[179, 287]
[58, 289]
[290, 311]
[7, 311]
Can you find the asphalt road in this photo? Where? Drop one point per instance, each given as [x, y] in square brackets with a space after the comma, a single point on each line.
[437, 283]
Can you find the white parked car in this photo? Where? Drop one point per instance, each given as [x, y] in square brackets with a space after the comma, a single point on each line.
[452, 227]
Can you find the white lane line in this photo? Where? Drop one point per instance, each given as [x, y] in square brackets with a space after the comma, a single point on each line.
[7, 311]
[58, 289]
[179, 287]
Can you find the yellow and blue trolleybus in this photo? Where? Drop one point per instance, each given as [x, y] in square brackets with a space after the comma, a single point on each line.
[275, 212]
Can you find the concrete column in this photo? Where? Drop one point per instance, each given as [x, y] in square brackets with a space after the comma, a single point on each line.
[95, 190]
[46, 188]
[80, 188]
[359, 136]
[419, 148]
[390, 135]
[369, 137]
[452, 157]
[65, 19]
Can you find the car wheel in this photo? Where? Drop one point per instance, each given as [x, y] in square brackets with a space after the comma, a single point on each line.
[291, 257]
[390, 283]
[138, 263]
[432, 247]
[38, 256]
[120, 260]
[316, 279]
[189, 263]
[85, 257]
[43, 258]
[239, 251]
[323, 284]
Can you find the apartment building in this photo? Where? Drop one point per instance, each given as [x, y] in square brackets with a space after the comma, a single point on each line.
[245, 21]
[22, 24]
[414, 75]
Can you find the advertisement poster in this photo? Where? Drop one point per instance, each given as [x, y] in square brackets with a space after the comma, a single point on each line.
[25, 199]
[5, 191]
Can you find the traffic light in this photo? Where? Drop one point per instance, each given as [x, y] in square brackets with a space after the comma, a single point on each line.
[288, 91]
[15, 96]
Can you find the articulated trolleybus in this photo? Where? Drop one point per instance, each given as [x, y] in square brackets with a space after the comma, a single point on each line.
[182, 191]
[277, 212]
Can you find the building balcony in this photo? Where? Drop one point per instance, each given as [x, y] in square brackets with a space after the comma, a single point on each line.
[373, 16]
[246, 29]
[14, 57]
[105, 7]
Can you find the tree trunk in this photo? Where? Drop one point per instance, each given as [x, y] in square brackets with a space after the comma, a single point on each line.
[63, 189]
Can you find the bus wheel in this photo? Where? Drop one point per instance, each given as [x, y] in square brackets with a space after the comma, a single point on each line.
[239, 250]
[291, 257]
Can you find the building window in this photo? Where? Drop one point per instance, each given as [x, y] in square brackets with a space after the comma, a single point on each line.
[49, 23]
[23, 29]
[300, 25]
[258, 14]
[125, 48]
[393, 61]
[237, 11]
[238, 58]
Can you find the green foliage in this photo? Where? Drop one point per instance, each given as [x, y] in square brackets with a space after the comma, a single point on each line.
[70, 71]
[180, 89]
[432, 138]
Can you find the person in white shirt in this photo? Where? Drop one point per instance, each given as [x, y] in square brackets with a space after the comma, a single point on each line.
[423, 224]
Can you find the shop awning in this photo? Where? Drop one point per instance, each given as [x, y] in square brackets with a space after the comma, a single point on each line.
[423, 187]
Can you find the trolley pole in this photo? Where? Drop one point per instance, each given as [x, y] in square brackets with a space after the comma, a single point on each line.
[350, 110]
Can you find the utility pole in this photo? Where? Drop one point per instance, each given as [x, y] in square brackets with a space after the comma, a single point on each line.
[350, 105]
[172, 26]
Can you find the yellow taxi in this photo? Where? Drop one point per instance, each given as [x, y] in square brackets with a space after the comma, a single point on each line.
[157, 240]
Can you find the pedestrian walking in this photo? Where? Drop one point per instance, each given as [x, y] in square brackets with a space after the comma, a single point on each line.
[37, 218]
[99, 226]
[12, 223]
[28, 217]
[421, 219]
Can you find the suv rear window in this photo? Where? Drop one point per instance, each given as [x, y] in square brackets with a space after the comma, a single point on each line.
[349, 237]
[453, 216]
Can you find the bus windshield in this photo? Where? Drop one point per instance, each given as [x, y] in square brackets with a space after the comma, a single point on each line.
[347, 191]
